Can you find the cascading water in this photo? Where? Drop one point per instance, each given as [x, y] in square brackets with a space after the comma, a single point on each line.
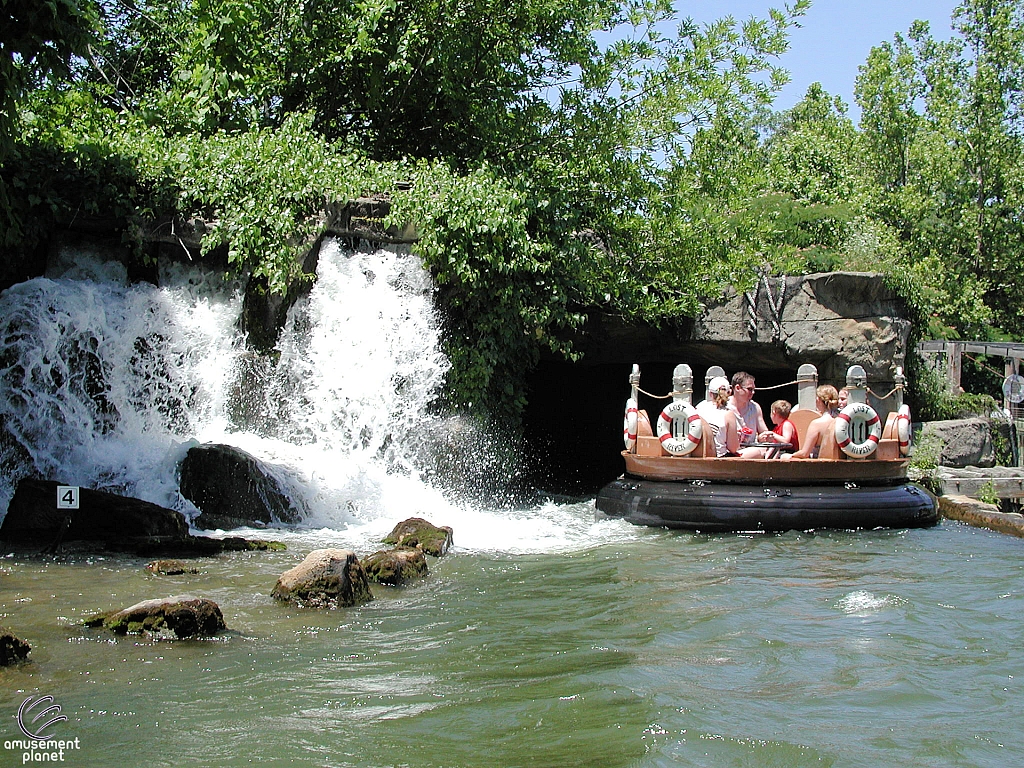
[106, 385]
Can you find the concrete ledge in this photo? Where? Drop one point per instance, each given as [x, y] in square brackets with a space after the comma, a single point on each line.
[980, 515]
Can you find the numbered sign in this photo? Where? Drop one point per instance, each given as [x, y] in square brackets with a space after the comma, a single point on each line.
[1013, 388]
[67, 497]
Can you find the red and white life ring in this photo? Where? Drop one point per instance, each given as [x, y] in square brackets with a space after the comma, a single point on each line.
[903, 429]
[629, 425]
[858, 430]
[679, 428]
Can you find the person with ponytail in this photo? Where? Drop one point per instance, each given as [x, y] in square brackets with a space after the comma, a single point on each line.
[827, 403]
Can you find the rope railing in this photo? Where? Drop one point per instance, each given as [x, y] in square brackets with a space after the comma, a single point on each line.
[777, 386]
[877, 396]
[871, 392]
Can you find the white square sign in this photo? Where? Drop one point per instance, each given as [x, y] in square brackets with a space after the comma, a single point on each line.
[67, 497]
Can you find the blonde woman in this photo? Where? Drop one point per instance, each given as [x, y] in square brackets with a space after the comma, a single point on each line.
[827, 403]
[723, 422]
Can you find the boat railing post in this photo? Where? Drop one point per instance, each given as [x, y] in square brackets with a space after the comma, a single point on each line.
[901, 383]
[856, 384]
[806, 384]
[712, 372]
[634, 382]
[682, 383]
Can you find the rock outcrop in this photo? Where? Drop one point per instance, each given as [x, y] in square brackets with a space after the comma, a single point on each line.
[107, 522]
[965, 442]
[183, 615]
[419, 533]
[233, 489]
[327, 578]
[33, 517]
[831, 320]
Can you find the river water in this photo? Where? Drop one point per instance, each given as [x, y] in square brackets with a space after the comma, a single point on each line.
[546, 637]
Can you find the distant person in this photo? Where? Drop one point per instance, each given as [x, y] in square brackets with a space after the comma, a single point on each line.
[742, 403]
[827, 403]
[723, 422]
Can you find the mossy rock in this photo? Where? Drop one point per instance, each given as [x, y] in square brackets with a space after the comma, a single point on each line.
[184, 616]
[419, 533]
[395, 567]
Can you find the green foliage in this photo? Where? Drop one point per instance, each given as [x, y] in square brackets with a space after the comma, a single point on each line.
[987, 494]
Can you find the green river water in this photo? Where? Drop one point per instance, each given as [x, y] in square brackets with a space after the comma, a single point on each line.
[646, 648]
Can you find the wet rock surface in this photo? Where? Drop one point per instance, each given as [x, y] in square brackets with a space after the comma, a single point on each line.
[183, 615]
[417, 532]
[326, 578]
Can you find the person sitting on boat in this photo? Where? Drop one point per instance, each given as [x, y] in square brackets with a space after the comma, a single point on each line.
[784, 432]
[844, 397]
[748, 412]
[827, 403]
[723, 422]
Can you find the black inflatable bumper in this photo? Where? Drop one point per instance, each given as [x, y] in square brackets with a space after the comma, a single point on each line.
[708, 507]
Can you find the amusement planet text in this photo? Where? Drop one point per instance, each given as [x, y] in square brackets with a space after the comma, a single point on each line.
[42, 751]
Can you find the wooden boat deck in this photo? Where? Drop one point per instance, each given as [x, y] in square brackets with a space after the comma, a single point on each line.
[757, 471]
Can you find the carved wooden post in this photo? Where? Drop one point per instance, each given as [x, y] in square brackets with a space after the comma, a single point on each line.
[901, 384]
[857, 384]
[806, 384]
[713, 371]
[682, 383]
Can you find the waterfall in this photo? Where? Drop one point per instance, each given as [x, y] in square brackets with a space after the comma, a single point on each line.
[106, 384]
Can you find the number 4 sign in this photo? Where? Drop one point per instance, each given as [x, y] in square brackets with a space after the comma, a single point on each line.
[67, 497]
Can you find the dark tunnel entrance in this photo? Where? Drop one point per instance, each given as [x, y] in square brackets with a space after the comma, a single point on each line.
[573, 421]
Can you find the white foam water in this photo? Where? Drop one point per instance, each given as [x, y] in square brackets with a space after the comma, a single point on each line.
[107, 385]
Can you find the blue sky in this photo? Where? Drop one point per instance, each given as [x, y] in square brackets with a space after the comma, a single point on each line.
[835, 36]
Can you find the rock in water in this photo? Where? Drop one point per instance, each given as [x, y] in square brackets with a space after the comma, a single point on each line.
[33, 517]
[417, 532]
[184, 615]
[12, 648]
[395, 567]
[233, 489]
[327, 578]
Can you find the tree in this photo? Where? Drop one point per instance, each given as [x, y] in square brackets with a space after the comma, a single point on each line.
[37, 37]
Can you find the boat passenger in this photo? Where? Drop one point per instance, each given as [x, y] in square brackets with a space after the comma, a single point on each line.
[844, 397]
[827, 403]
[742, 403]
[784, 432]
[723, 422]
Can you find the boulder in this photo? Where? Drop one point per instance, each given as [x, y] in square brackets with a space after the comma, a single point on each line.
[965, 442]
[12, 648]
[395, 567]
[183, 615]
[327, 578]
[417, 532]
[33, 517]
[233, 489]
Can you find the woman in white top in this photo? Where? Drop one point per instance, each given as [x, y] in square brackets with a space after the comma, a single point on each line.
[723, 422]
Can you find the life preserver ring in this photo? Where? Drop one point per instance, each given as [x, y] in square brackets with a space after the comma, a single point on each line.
[669, 428]
[629, 425]
[903, 429]
[858, 420]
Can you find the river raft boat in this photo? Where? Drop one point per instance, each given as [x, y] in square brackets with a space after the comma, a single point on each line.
[858, 481]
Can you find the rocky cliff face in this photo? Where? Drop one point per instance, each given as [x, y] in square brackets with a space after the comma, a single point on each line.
[832, 321]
